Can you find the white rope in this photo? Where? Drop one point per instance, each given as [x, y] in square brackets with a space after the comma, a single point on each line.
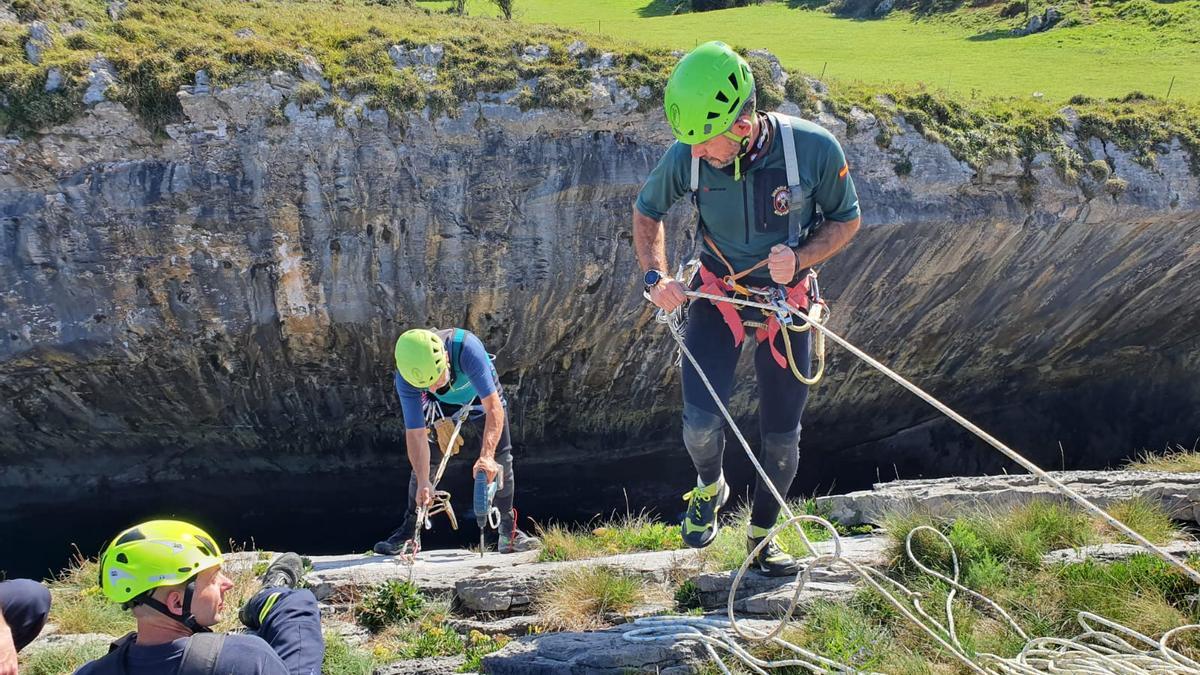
[1094, 651]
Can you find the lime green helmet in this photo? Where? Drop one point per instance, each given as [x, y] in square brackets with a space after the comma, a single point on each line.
[420, 357]
[706, 91]
[154, 554]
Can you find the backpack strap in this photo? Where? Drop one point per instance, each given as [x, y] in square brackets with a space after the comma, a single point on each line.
[201, 654]
[793, 177]
[695, 177]
[456, 344]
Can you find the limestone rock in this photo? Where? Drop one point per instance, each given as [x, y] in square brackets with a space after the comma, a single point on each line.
[1177, 493]
[535, 53]
[311, 71]
[596, 653]
[1107, 553]
[244, 33]
[431, 665]
[779, 76]
[101, 76]
[39, 38]
[115, 9]
[513, 626]
[577, 48]
[53, 79]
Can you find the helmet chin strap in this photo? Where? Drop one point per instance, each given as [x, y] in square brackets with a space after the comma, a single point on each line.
[743, 149]
[187, 619]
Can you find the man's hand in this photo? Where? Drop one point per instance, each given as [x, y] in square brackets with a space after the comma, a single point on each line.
[488, 466]
[782, 264]
[424, 493]
[668, 294]
[8, 653]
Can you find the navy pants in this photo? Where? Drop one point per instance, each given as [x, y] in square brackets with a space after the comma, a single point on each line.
[504, 496]
[289, 620]
[781, 399]
[25, 605]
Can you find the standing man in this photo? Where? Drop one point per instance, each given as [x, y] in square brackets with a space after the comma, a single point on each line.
[762, 233]
[24, 606]
[440, 372]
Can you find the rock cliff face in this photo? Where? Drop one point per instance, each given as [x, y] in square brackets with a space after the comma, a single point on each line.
[221, 301]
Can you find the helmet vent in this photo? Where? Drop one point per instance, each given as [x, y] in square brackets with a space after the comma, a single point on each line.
[207, 547]
[733, 81]
[734, 106]
[122, 558]
[133, 535]
[184, 570]
[722, 97]
[713, 115]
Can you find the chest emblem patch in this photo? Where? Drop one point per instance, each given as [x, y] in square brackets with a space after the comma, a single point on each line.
[781, 200]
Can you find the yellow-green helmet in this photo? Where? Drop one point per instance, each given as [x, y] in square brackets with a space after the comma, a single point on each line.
[153, 554]
[420, 357]
[706, 91]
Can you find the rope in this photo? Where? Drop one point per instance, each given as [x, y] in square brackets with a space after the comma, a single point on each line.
[1094, 651]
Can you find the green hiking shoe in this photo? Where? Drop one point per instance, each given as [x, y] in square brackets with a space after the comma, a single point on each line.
[772, 561]
[700, 522]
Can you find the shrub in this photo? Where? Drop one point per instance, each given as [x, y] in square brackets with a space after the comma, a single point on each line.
[390, 603]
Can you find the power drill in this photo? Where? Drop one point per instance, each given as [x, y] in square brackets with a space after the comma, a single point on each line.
[485, 492]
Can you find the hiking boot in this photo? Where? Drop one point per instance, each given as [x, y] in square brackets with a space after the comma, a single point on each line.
[772, 561]
[397, 542]
[518, 543]
[286, 570]
[700, 522]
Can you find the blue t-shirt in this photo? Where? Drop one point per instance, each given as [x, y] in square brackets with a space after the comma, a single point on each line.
[240, 655]
[471, 370]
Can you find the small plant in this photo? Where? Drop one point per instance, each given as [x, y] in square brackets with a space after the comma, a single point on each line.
[687, 596]
[581, 599]
[79, 606]
[341, 658]
[390, 603]
[308, 92]
[478, 646]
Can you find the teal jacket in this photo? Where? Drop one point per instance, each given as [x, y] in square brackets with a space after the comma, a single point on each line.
[745, 218]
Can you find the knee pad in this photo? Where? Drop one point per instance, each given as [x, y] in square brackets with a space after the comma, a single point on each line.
[782, 449]
[703, 432]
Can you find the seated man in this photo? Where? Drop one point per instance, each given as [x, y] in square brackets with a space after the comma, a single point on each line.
[168, 573]
[24, 605]
[445, 371]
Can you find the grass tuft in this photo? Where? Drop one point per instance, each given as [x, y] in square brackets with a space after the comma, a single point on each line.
[1173, 460]
[581, 599]
[62, 659]
[627, 534]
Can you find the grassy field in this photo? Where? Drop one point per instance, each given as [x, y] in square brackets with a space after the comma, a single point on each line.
[1113, 51]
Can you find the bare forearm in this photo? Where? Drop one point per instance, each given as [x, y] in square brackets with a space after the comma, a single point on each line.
[493, 425]
[649, 242]
[832, 237]
[417, 442]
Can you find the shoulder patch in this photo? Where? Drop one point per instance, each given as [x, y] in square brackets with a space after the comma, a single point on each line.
[844, 170]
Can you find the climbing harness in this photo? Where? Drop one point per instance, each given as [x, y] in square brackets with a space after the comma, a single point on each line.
[1104, 647]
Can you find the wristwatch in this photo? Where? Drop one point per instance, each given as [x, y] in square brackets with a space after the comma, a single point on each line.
[652, 278]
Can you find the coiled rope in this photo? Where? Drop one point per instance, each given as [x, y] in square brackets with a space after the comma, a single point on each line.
[1118, 649]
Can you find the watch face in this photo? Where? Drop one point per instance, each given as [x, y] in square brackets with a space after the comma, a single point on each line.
[652, 277]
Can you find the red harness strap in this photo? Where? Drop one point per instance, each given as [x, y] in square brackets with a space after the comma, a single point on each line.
[714, 285]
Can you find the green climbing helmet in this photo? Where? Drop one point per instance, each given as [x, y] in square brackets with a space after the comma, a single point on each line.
[420, 357]
[153, 554]
[706, 91]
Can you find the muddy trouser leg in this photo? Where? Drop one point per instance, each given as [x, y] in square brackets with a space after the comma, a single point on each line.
[25, 604]
[709, 339]
[289, 620]
[781, 399]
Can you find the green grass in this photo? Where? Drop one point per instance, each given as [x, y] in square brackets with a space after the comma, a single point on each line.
[581, 598]
[389, 603]
[63, 659]
[157, 47]
[79, 606]
[1175, 460]
[342, 658]
[1116, 48]
[627, 534]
